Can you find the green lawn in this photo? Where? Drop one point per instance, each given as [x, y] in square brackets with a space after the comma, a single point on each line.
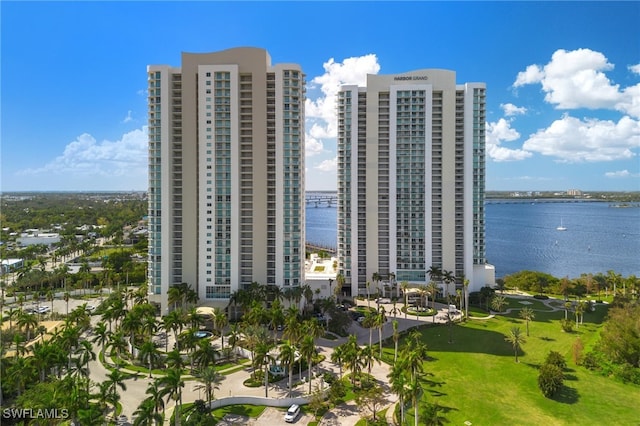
[476, 378]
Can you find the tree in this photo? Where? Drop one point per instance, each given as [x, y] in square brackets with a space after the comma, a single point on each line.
[379, 322]
[371, 398]
[433, 290]
[28, 322]
[550, 379]
[205, 354]
[415, 390]
[620, 336]
[404, 285]
[149, 354]
[399, 380]
[264, 359]
[101, 335]
[115, 380]
[210, 380]
[287, 358]
[155, 396]
[516, 339]
[351, 357]
[337, 357]
[220, 321]
[498, 303]
[396, 337]
[308, 351]
[171, 385]
[527, 314]
[146, 414]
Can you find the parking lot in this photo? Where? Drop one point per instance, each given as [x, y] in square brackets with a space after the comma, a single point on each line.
[275, 416]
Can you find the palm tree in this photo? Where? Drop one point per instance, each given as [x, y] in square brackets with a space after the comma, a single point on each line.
[368, 285]
[149, 354]
[118, 344]
[433, 289]
[28, 321]
[101, 335]
[146, 414]
[205, 354]
[380, 320]
[369, 322]
[527, 314]
[498, 303]
[115, 380]
[367, 355]
[396, 337]
[308, 351]
[155, 396]
[415, 390]
[174, 360]
[86, 354]
[210, 380]
[220, 321]
[448, 278]
[287, 358]
[516, 339]
[337, 357]
[172, 385]
[351, 357]
[263, 358]
[398, 380]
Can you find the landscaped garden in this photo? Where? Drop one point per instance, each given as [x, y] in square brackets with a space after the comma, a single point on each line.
[475, 378]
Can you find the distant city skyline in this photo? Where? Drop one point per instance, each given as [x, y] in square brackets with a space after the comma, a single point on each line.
[563, 81]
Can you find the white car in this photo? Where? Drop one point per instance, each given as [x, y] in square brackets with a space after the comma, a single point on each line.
[43, 309]
[292, 414]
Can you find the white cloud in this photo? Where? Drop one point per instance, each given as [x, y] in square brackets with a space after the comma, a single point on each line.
[532, 74]
[320, 112]
[88, 159]
[496, 133]
[128, 118]
[635, 68]
[328, 165]
[510, 109]
[572, 140]
[577, 79]
[313, 146]
[621, 174]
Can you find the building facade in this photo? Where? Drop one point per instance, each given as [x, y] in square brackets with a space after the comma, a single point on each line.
[411, 181]
[226, 174]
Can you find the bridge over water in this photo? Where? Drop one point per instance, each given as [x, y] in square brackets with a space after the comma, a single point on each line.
[321, 199]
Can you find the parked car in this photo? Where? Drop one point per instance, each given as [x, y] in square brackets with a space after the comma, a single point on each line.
[292, 413]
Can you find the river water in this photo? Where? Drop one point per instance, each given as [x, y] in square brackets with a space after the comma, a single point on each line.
[524, 236]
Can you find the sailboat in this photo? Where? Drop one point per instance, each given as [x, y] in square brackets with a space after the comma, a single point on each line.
[561, 227]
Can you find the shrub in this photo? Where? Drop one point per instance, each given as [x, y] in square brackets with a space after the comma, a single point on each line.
[541, 296]
[628, 374]
[556, 358]
[590, 361]
[567, 325]
[550, 379]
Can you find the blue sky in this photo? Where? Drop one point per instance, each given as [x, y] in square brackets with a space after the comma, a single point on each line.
[563, 81]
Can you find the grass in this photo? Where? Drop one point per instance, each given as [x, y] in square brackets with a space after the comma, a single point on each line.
[476, 378]
[252, 411]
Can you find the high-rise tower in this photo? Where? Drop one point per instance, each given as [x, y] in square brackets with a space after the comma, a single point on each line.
[226, 174]
[411, 180]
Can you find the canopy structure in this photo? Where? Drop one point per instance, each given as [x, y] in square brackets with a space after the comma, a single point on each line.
[205, 310]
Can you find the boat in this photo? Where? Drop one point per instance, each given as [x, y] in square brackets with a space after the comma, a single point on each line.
[561, 227]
